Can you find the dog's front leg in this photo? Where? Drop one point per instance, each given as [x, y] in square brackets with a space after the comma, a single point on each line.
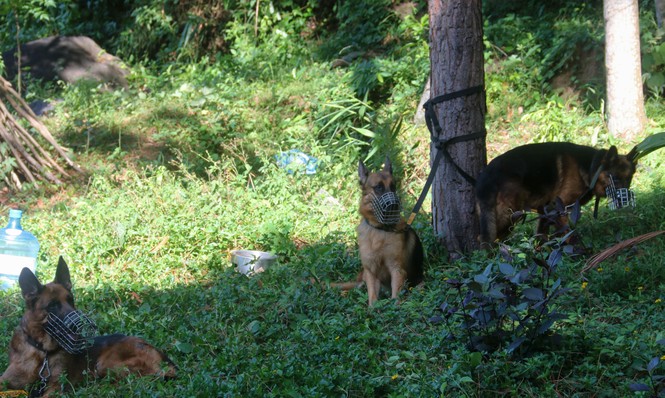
[4, 380]
[397, 279]
[16, 378]
[373, 286]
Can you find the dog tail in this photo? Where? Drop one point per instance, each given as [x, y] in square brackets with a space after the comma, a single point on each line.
[344, 286]
[415, 271]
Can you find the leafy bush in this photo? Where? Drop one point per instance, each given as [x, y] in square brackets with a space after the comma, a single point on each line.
[656, 386]
[545, 41]
[511, 305]
[652, 46]
[359, 25]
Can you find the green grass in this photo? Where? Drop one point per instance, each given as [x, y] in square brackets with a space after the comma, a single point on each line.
[148, 253]
[180, 170]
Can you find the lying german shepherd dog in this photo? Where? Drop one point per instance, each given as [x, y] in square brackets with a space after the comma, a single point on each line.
[54, 340]
[390, 250]
[533, 176]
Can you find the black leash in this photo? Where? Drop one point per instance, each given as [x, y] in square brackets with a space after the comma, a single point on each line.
[442, 145]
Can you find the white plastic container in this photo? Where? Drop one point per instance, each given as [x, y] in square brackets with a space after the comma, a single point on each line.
[18, 249]
[252, 261]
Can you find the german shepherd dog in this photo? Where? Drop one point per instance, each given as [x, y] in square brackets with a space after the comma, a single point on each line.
[533, 176]
[40, 352]
[390, 250]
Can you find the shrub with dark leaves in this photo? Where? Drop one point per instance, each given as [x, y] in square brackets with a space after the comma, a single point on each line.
[511, 305]
[656, 386]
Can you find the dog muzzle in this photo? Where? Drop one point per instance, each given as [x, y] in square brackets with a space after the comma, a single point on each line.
[618, 198]
[74, 332]
[387, 208]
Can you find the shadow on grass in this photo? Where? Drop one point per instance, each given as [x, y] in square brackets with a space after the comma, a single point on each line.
[271, 334]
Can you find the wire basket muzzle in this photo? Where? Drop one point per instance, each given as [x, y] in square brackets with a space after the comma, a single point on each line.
[74, 332]
[618, 198]
[387, 208]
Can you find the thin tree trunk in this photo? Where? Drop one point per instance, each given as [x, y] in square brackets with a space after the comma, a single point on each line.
[660, 12]
[626, 116]
[456, 55]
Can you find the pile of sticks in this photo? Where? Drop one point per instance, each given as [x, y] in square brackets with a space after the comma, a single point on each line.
[24, 158]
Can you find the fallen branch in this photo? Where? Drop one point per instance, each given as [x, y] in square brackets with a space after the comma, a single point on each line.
[31, 161]
[610, 252]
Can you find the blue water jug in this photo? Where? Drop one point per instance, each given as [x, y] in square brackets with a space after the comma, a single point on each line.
[18, 249]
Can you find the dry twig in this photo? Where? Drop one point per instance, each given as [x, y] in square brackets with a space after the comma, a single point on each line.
[32, 161]
[607, 253]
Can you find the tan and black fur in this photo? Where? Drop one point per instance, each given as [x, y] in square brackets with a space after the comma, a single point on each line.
[532, 176]
[114, 355]
[391, 256]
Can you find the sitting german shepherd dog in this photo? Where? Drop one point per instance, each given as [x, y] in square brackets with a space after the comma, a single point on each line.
[51, 342]
[532, 176]
[390, 250]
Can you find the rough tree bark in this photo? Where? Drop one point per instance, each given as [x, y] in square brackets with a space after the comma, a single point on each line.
[626, 116]
[456, 56]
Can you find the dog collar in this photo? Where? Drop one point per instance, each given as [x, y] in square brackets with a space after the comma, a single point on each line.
[382, 227]
[34, 342]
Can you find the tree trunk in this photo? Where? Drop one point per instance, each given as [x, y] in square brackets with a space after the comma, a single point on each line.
[660, 12]
[457, 63]
[626, 116]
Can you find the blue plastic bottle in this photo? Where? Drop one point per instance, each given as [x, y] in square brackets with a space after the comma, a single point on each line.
[18, 249]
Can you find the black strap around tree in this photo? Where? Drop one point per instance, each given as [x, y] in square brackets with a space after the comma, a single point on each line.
[442, 145]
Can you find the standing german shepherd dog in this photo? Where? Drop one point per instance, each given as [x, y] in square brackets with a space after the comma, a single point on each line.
[50, 343]
[532, 176]
[390, 251]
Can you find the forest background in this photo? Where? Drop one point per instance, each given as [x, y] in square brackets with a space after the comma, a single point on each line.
[181, 168]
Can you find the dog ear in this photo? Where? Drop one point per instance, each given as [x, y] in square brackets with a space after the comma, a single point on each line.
[605, 158]
[62, 274]
[363, 173]
[387, 166]
[30, 286]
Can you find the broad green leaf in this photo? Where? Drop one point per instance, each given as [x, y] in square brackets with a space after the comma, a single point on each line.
[475, 358]
[639, 387]
[515, 344]
[506, 269]
[653, 363]
[533, 293]
[650, 144]
[185, 348]
[365, 132]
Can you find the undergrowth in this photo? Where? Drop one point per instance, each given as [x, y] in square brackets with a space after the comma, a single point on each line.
[149, 256]
[181, 169]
